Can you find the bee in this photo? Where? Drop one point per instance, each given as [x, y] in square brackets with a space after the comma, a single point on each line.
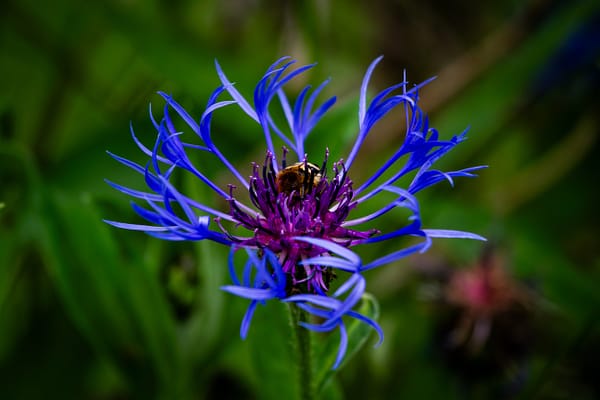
[299, 178]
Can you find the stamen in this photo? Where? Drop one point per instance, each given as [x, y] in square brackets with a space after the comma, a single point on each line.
[323, 170]
[271, 178]
[340, 180]
[264, 171]
[253, 193]
[317, 207]
[311, 181]
[284, 152]
[231, 189]
[280, 210]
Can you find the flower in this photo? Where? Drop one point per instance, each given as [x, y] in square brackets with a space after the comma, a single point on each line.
[485, 293]
[297, 228]
[484, 326]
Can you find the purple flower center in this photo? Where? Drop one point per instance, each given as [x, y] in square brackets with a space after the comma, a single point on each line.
[298, 200]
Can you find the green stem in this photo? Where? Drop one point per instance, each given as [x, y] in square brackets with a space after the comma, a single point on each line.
[304, 358]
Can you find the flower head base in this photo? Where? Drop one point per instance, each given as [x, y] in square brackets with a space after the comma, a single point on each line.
[296, 214]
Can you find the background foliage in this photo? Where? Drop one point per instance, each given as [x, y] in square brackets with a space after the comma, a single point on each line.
[88, 311]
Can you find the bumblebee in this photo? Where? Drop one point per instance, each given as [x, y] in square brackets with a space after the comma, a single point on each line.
[300, 178]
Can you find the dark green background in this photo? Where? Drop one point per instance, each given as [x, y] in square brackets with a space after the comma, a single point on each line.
[91, 312]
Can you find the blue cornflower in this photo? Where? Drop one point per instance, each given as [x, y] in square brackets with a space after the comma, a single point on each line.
[294, 214]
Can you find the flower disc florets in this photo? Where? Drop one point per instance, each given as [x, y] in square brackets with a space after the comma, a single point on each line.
[298, 201]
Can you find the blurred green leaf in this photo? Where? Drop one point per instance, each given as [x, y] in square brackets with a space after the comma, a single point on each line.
[358, 333]
[497, 97]
[201, 334]
[332, 391]
[573, 288]
[272, 348]
[9, 254]
[119, 307]
[13, 294]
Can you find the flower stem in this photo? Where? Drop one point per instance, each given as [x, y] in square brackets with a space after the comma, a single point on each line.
[303, 348]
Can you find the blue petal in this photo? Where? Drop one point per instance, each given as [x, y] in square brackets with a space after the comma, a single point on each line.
[247, 319]
[333, 262]
[413, 229]
[396, 255]
[137, 227]
[128, 163]
[241, 101]
[249, 293]
[343, 345]
[142, 147]
[182, 112]
[315, 299]
[134, 193]
[332, 247]
[167, 236]
[314, 310]
[354, 279]
[370, 322]
[446, 233]
[362, 103]
[231, 265]
[352, 299]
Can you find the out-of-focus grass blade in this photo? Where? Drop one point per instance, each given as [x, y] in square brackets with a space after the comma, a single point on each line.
[332, 391]
[202, 332]
[9, 265]
[68, 284]
[358, 333]
[13, 296]
[156, 328]
[119, 307]
[572, 288]
[494, 99]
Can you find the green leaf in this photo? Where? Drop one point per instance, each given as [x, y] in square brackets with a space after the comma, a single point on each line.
[332, 391]
[273, 352]
[358, 333]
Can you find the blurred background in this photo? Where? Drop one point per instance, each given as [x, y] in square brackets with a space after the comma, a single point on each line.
[91, 312]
